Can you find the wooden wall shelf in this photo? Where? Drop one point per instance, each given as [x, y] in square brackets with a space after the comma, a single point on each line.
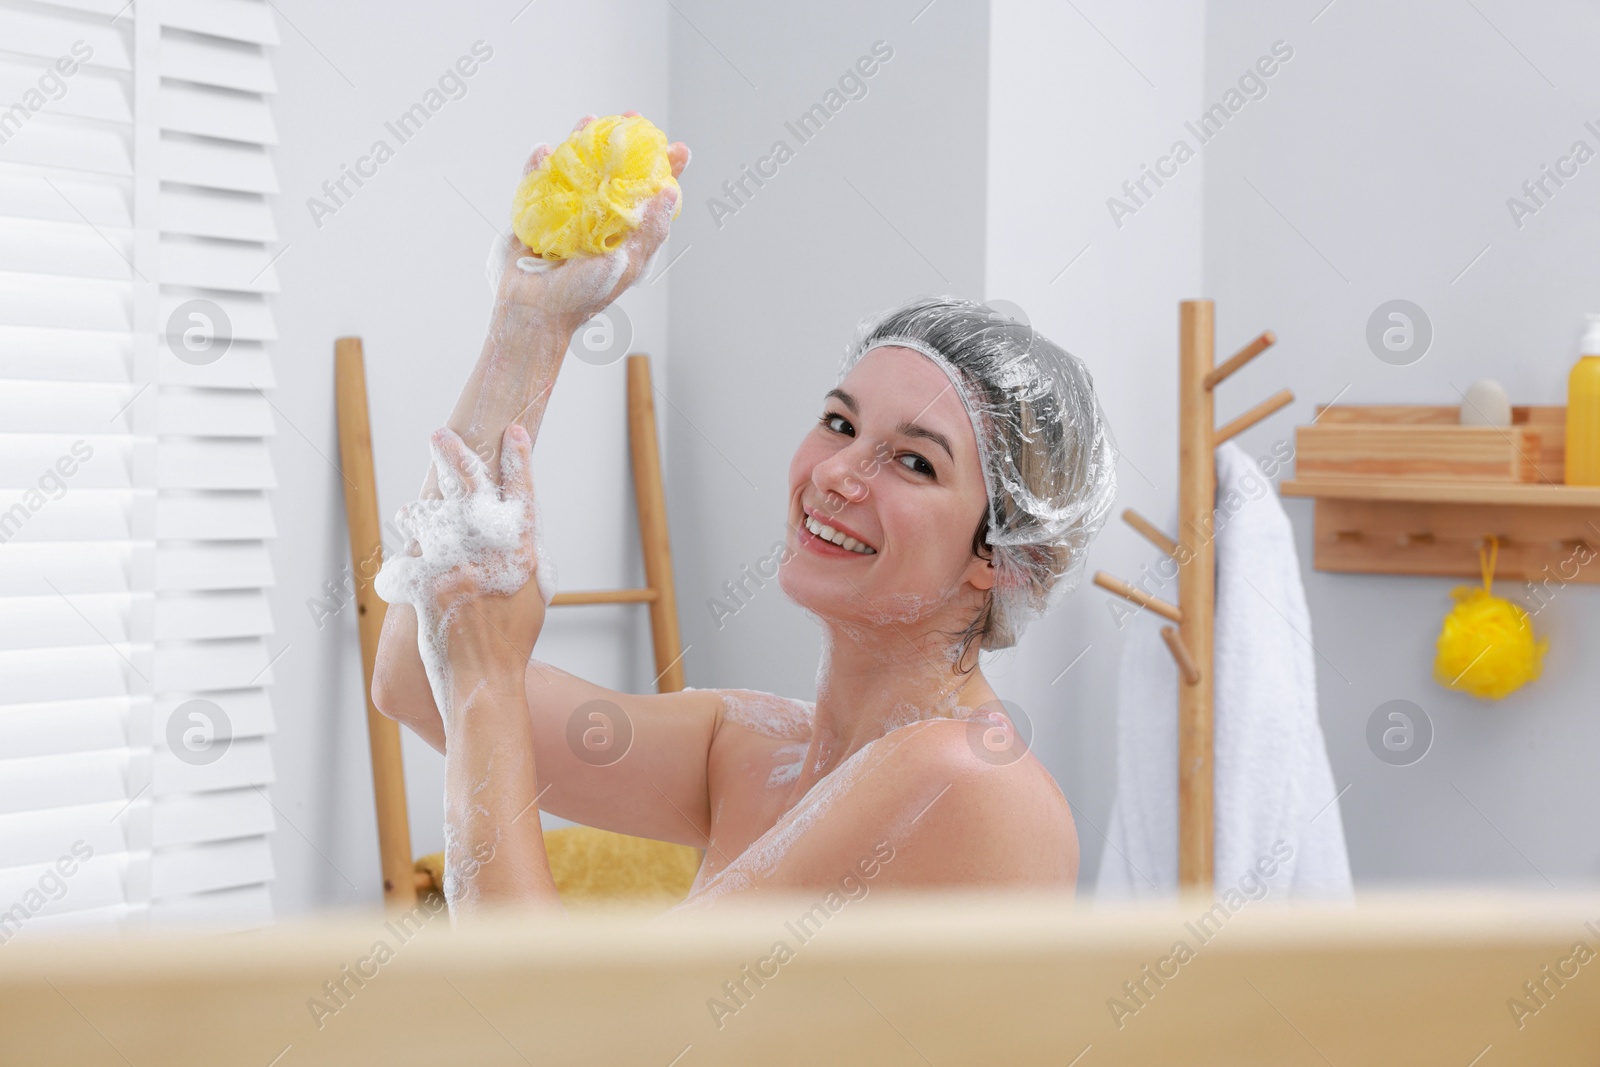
[1487, 493]
[1549, 532]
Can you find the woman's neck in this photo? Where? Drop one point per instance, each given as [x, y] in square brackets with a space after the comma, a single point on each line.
[873, 680]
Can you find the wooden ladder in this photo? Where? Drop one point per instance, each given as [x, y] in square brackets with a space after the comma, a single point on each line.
[401, 881]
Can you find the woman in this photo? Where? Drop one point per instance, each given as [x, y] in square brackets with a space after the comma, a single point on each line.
[954, 478]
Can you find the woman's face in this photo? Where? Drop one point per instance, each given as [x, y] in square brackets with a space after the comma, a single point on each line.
[892, 470]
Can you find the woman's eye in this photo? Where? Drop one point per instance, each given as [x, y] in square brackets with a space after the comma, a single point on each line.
[838, 424]
[917, 463]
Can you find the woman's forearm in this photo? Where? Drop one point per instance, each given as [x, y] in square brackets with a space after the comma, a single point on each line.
[511, 382]
[494, 844]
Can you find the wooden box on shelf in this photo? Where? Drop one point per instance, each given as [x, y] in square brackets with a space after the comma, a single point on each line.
[1417, 452]
[1422, 510]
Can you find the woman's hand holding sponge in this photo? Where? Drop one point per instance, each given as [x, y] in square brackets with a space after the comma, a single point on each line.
[587, 195]
[588, 216]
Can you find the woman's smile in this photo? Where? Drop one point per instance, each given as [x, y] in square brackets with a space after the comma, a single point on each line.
[831, 539]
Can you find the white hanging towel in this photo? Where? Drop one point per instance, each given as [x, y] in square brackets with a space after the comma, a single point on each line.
[1275, 808]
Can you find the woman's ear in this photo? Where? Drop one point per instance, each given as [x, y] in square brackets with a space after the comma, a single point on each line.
[980, 573]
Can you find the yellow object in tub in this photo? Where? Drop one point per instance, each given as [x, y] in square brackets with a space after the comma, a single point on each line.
[597, 867]
[590, 192]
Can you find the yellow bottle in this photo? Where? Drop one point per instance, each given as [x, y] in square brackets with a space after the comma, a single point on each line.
[1583, 412]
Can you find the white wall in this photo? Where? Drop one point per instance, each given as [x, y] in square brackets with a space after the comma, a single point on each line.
[1378, 167]
[401, 264]
[884, 203]
[1079, 99]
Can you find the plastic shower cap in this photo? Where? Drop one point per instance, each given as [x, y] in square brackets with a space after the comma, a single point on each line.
[1048, 461]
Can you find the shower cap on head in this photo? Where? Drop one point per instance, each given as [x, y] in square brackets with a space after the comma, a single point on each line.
[1048, 460]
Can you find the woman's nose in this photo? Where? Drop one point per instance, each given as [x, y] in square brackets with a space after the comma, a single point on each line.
[840, 475]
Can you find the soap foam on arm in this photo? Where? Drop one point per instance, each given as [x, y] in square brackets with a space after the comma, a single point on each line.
[475, 528]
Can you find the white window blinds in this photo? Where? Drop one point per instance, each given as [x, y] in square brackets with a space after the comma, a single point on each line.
[136, 249]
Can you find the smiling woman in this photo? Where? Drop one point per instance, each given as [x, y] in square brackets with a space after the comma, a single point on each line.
[1044, 457]
[944, 497]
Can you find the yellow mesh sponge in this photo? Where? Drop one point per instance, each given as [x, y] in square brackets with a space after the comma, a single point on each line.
[598, 867]
[1487, 646]
[590, 192]
[595, 868]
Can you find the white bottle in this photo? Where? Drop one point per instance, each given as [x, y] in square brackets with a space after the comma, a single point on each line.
[1486, 404]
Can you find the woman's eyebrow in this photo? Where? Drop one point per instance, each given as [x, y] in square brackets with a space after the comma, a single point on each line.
[905, 429]
[911, 429]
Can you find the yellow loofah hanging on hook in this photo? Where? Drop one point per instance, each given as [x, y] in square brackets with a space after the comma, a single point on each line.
[1487, 646]
[590, 192]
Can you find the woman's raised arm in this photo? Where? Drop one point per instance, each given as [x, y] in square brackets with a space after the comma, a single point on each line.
[535, 316]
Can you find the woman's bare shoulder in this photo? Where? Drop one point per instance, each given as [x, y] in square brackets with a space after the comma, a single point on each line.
[979, 747]
[989, 788]
[932, 812]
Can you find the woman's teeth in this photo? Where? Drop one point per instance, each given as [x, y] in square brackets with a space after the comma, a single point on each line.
[828, 533]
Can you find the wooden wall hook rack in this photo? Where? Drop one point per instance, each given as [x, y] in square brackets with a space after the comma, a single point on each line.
[1190, 641]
